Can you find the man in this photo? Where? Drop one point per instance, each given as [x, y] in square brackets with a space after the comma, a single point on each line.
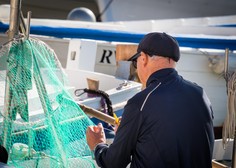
[166, 125]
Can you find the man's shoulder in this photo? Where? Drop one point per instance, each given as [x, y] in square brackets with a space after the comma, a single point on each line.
[140, 96]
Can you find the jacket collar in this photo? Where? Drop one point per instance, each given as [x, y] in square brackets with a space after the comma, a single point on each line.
[161, 75]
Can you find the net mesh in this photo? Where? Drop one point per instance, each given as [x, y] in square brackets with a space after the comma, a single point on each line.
[40, 124]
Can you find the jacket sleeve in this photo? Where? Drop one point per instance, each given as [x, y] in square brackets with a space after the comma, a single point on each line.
[118, 154]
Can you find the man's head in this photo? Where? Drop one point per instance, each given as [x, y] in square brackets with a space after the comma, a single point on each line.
[159, 44]
[155, 51]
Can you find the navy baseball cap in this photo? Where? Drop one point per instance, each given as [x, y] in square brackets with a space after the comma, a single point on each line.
[160, 44]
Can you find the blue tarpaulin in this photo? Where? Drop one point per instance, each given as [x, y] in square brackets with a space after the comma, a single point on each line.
[124, 36]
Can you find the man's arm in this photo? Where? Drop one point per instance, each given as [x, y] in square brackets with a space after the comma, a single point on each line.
[118, 154]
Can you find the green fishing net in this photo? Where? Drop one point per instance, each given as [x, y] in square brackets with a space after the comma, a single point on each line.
[40, 124]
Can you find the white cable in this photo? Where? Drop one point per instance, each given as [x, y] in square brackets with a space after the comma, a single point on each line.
[230, 120]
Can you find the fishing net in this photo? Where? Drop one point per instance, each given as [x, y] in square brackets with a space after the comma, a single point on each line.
[40, 124]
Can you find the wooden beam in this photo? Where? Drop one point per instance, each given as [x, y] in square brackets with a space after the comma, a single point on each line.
[98, 114]
[125, 51]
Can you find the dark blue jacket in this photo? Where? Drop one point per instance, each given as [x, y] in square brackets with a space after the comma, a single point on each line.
[167, 125]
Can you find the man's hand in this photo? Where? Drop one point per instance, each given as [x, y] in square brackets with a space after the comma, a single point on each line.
[95, 135]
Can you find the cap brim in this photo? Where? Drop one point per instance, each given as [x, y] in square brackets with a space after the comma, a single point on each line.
[134, 56]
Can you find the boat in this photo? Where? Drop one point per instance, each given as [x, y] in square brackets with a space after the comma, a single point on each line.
[43, 106]
[207, 33]
[109, 10]
[73, 64]
[81, 42]
[157, 10]
[118, 90]
[204, 43]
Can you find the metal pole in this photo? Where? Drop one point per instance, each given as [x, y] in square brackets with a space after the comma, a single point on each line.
[14, 19]
[28, 24]
[226, 63]
[12, 33]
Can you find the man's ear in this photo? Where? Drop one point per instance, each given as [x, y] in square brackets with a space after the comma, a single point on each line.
[145, 60]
